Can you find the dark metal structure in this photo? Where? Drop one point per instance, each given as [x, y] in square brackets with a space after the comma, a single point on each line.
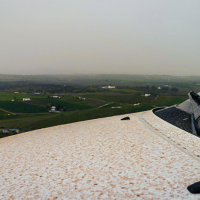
[195, 116]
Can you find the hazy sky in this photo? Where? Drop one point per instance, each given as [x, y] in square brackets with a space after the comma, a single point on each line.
[100, 36]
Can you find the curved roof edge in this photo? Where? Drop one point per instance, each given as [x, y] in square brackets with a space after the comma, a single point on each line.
[144, 157]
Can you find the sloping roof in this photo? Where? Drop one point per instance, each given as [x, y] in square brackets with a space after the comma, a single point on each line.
[143, 158]
[186, 106]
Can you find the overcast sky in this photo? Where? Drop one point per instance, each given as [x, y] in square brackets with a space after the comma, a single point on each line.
[100, 36]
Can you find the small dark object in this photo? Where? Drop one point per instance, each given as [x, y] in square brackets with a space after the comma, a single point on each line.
[126, 118]
[194, 188]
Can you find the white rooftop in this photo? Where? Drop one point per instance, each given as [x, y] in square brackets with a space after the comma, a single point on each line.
[141, 158]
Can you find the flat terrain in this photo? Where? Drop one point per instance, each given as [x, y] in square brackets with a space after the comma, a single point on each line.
[35, 114]
[97, 102]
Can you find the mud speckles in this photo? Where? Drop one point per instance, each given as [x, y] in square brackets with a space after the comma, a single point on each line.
[97, 159]
[180, 137]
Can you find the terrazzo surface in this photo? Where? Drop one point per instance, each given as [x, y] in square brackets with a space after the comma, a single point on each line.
[100, 159]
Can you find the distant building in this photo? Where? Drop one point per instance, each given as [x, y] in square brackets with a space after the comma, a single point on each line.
[108, 87]
[159, 88]
[16, 92]
[147, 95]
[6, 131]
[136, 104]
[11, 130]
[12, 100]
[53, 108]
[37, 93]
[14, 130]
[82, 98]
[26, 99]
[56, 97]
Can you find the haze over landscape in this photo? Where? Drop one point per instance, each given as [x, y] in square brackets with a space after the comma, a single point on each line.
[107, 37]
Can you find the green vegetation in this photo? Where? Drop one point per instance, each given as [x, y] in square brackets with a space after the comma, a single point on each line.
[21, 107]
[6, 134]
[71, 107]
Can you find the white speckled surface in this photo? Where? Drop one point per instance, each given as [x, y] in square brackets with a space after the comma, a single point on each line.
[179, 136]
[98, 159]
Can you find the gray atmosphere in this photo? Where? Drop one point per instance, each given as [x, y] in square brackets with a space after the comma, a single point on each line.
[107, 36]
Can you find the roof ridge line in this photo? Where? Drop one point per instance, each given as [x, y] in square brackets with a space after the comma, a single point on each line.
[161, 135]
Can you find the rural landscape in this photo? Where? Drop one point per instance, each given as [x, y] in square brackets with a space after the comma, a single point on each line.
[34, 102]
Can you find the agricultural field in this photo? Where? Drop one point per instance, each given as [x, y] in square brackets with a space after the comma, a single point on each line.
[21, 107]
[82, 101]
[27, 116]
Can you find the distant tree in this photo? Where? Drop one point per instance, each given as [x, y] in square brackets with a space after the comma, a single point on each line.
[65, 109]
[165, 88]
[48, 106]
[153, 87]
[174, 89]
[59, 107]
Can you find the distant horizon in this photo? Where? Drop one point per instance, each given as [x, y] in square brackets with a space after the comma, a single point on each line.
[98, 74]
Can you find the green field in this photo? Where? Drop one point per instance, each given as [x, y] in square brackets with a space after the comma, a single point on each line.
[21, 107]
[8, 96]
[2, 112]
[38, 122]
[38, 103]
[34, 114]
[72, 106]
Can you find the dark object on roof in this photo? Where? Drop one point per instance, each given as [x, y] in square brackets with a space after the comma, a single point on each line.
[194, 188]
[195, 102]
[195, 97]
[126, 118]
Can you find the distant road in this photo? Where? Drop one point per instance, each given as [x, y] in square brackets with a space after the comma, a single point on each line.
[22, 113]
[7, 111]
[105, 105]
[97, 99]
